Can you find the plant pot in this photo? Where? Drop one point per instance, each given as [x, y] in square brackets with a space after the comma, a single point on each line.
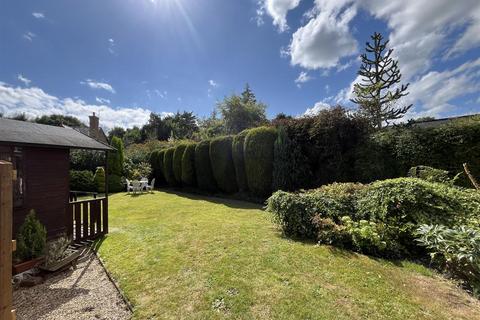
[70, 258]
[26, 265]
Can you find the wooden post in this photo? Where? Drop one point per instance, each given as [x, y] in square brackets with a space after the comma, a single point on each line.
[105, 203]
[6, 244]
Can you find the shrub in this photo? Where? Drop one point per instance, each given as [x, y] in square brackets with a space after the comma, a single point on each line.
[177, 161]
[168, 167]
[136, 171]
[455, 250]
[116, 158]
[203, 167]
[222, 164]
[160, 175]
[31, 238]
[258, 152]
[82, 181]
[290, 166]
[188, 165]
[115, 183]
[99, 179]
[430, 174]
[239, 160]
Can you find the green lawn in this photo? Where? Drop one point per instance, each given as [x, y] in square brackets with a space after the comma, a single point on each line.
[181, 256]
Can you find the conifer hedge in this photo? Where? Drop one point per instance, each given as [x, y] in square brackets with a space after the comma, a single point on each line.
[239, 160]
[222, 164]
[177, 162]
[203, 167]
[188, 166]
[258, 152]
[168, 167]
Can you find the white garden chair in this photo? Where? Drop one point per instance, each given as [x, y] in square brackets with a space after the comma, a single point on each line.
[151, 185]
[136, 186]
[129, 186]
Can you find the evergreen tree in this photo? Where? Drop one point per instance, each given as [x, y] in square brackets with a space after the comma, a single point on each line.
[116, 159]
[378, 93]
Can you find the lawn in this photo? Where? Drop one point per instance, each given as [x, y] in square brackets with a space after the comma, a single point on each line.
[181, 256]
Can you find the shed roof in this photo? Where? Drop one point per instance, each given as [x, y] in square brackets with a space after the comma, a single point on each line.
[28, 133]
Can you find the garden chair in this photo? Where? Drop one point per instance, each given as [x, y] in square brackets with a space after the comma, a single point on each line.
[129, 186]
[136, 186]
[151, 185]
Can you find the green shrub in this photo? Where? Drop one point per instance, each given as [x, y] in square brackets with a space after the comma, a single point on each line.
[239, 160]
[168, 167]
[290, 166]
[99, 179]
[116, 158]
[188, 166]
[455, 250]
[203, 167]
[136, 171]
[156, 162]
[430, 174]
[258, 152]
[115, 183]
[82, 181]
[177, 161]
[222, 164]
[31, 238]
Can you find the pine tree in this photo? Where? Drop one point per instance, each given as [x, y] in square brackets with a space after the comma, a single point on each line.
[248, 95]
[378, 93]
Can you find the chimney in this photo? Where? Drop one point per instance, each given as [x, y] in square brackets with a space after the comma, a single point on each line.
[94, 128]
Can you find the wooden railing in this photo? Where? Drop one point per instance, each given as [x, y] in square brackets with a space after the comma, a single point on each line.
[88, 219]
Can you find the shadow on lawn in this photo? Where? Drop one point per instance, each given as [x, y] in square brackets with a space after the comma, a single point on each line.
[230, 202]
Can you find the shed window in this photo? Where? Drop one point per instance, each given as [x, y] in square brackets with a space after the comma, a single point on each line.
[15, 156]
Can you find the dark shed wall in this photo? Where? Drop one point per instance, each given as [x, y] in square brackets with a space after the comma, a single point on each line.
[47, 188]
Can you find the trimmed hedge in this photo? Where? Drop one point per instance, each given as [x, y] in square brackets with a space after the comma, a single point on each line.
[258, 152]
[239, 160]
[115, 183]
[203, 167]
[82, 181]
[99, 179]
[188, 166]
[168, 167]
[160, 177]
[177, 161]
[222, 164]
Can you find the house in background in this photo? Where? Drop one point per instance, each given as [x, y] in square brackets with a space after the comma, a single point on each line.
[41, 159]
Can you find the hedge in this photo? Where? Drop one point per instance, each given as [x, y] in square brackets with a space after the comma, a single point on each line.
[258, 152]
[222, 164]
[239, 160]
[115, 183]
[99, 179]
[380, 218]
[177, 161]
[203, 167]
[188, 166]
[82, 181]
[160, 177]
[168, 167]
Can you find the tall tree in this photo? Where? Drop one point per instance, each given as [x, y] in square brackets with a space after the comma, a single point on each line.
[116, 158]
[184, 125]
[59, 120]
[116, 132]
[242, 112]
[379, 91]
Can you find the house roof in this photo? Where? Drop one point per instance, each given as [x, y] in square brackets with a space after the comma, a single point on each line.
[28, 133]
[86, 131]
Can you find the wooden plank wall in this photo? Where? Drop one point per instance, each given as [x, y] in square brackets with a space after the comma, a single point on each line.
[88, 219]
[6, 243]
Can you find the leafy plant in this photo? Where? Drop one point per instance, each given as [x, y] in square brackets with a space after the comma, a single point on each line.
[82, 181]
[56, 249]
[135, 171]
[99, 179]
[31, 238]
[455, 250]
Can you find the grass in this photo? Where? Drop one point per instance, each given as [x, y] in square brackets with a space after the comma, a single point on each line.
[180, 256]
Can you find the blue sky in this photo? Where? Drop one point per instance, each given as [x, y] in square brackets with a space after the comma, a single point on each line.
[123, 59]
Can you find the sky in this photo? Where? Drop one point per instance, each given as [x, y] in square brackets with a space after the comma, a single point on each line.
[126, 58]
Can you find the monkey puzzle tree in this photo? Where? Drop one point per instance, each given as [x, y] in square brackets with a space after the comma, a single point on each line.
[379, 91]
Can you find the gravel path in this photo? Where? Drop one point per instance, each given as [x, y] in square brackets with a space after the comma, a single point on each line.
[81, 294]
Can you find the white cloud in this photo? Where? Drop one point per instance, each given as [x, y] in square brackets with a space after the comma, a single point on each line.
[319, 106]
[324, 40]
[29, 36]
[35, 102]
[102, 100]
[111, 46]
[212, 83]
[23, 79]
[98, 85]
[38, 15]
[302, 78]
[277, 10]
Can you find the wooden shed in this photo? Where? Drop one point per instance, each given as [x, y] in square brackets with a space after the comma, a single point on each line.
[41, 161]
